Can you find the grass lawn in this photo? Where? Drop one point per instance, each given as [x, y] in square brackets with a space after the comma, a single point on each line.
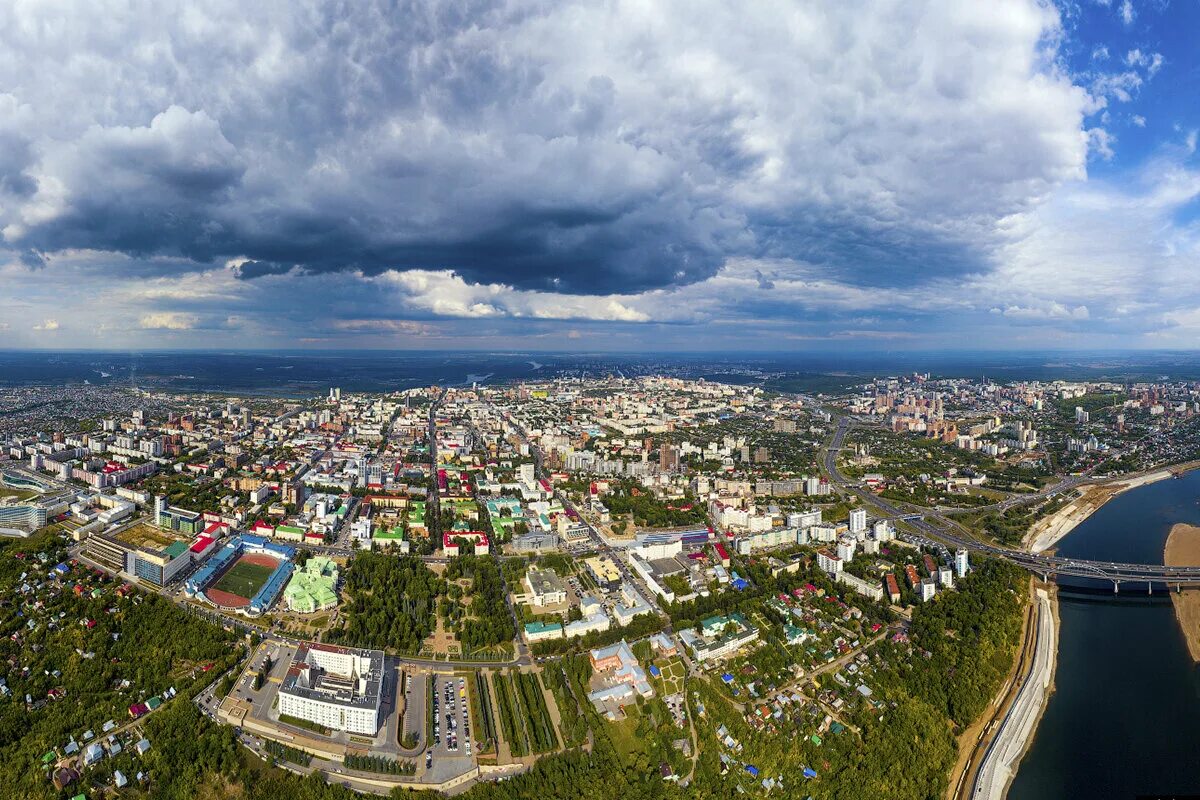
[672, 676]
[623, 733]
[244, 579]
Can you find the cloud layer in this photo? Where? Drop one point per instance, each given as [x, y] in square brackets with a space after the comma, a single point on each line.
[375, 173]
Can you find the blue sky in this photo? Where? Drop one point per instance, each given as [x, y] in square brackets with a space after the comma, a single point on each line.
[601, 175]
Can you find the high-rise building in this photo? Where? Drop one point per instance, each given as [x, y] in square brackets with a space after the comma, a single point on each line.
[858, 520]
[962, 563]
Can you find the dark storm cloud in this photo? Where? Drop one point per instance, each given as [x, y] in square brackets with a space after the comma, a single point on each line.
[561, 148]
[256, 269]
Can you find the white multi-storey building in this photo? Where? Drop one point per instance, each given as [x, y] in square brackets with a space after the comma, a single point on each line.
[338, 687]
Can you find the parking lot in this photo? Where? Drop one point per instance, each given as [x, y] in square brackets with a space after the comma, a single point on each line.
[414, 706]
[263, 707]
[452, 751]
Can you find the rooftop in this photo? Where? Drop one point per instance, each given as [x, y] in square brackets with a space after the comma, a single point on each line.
[356, 680]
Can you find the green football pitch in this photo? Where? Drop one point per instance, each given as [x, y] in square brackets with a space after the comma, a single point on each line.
[244, 579]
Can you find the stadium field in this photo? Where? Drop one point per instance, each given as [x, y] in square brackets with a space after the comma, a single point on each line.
[246, 577]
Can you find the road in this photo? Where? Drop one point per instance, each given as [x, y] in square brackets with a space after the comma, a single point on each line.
[949, 532]
[1002, 756]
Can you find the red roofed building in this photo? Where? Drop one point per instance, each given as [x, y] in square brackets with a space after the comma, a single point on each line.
[479, 538]
[202, 547]
[891, 587]
[910, 572]
[722, 554]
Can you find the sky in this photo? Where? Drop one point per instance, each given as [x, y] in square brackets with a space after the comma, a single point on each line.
[609, 176]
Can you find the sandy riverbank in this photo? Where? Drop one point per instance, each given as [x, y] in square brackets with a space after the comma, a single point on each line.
[1045, 533]
[1183, 550]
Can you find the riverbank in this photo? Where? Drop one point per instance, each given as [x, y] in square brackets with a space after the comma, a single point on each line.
[974, 742]
[1016, 733]
[1045, 533]
[1183, 550]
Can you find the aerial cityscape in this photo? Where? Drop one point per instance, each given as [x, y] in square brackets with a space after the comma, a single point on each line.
[656, 401]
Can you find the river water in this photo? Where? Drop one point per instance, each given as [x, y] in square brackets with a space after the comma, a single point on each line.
[1124, 719]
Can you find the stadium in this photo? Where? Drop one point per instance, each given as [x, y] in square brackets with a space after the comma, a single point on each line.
[245, 576]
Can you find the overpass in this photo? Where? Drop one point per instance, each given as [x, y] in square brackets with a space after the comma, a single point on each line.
[1043, 565]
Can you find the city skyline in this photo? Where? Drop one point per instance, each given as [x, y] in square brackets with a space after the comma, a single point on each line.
[600, 178]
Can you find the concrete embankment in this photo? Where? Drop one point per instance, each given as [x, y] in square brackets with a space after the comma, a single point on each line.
[1016, 731]
[1183, 550]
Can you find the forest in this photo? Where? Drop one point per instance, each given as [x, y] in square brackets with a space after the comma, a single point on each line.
[490, 622]
[73, 637]
[391, 605]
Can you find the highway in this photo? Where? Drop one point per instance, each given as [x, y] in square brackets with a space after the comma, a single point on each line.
[1003, 754]
[951, 533]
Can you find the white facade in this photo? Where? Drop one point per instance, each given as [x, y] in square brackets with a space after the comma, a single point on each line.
[962, 563]
[858, 520]
[829, 562]
[339, 688]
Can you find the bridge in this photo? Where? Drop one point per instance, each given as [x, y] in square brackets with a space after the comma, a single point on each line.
[1045, 566]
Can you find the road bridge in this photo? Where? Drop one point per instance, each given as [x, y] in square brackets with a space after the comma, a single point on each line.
[1045, 566]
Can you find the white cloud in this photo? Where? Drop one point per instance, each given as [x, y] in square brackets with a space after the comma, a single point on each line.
[1127, 12]
[447, 294]
[392, 326]
[810, 170]
[1049, 311]
[1151, 62]
[46, 325]
[611, 146]
[169, 321]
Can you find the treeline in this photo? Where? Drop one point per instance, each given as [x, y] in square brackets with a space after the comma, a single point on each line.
[535, 713]
[574, 725]
[485, 726]
[386, 766]
[510, 722]
[392, 602]
[287, 753]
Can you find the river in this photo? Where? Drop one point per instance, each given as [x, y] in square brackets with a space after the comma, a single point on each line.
[1124, 718]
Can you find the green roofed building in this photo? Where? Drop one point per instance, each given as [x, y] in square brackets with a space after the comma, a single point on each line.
[313, 588]
[176, 549]
[390, 537]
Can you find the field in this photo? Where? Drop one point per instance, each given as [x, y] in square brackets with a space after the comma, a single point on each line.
[244, 578]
